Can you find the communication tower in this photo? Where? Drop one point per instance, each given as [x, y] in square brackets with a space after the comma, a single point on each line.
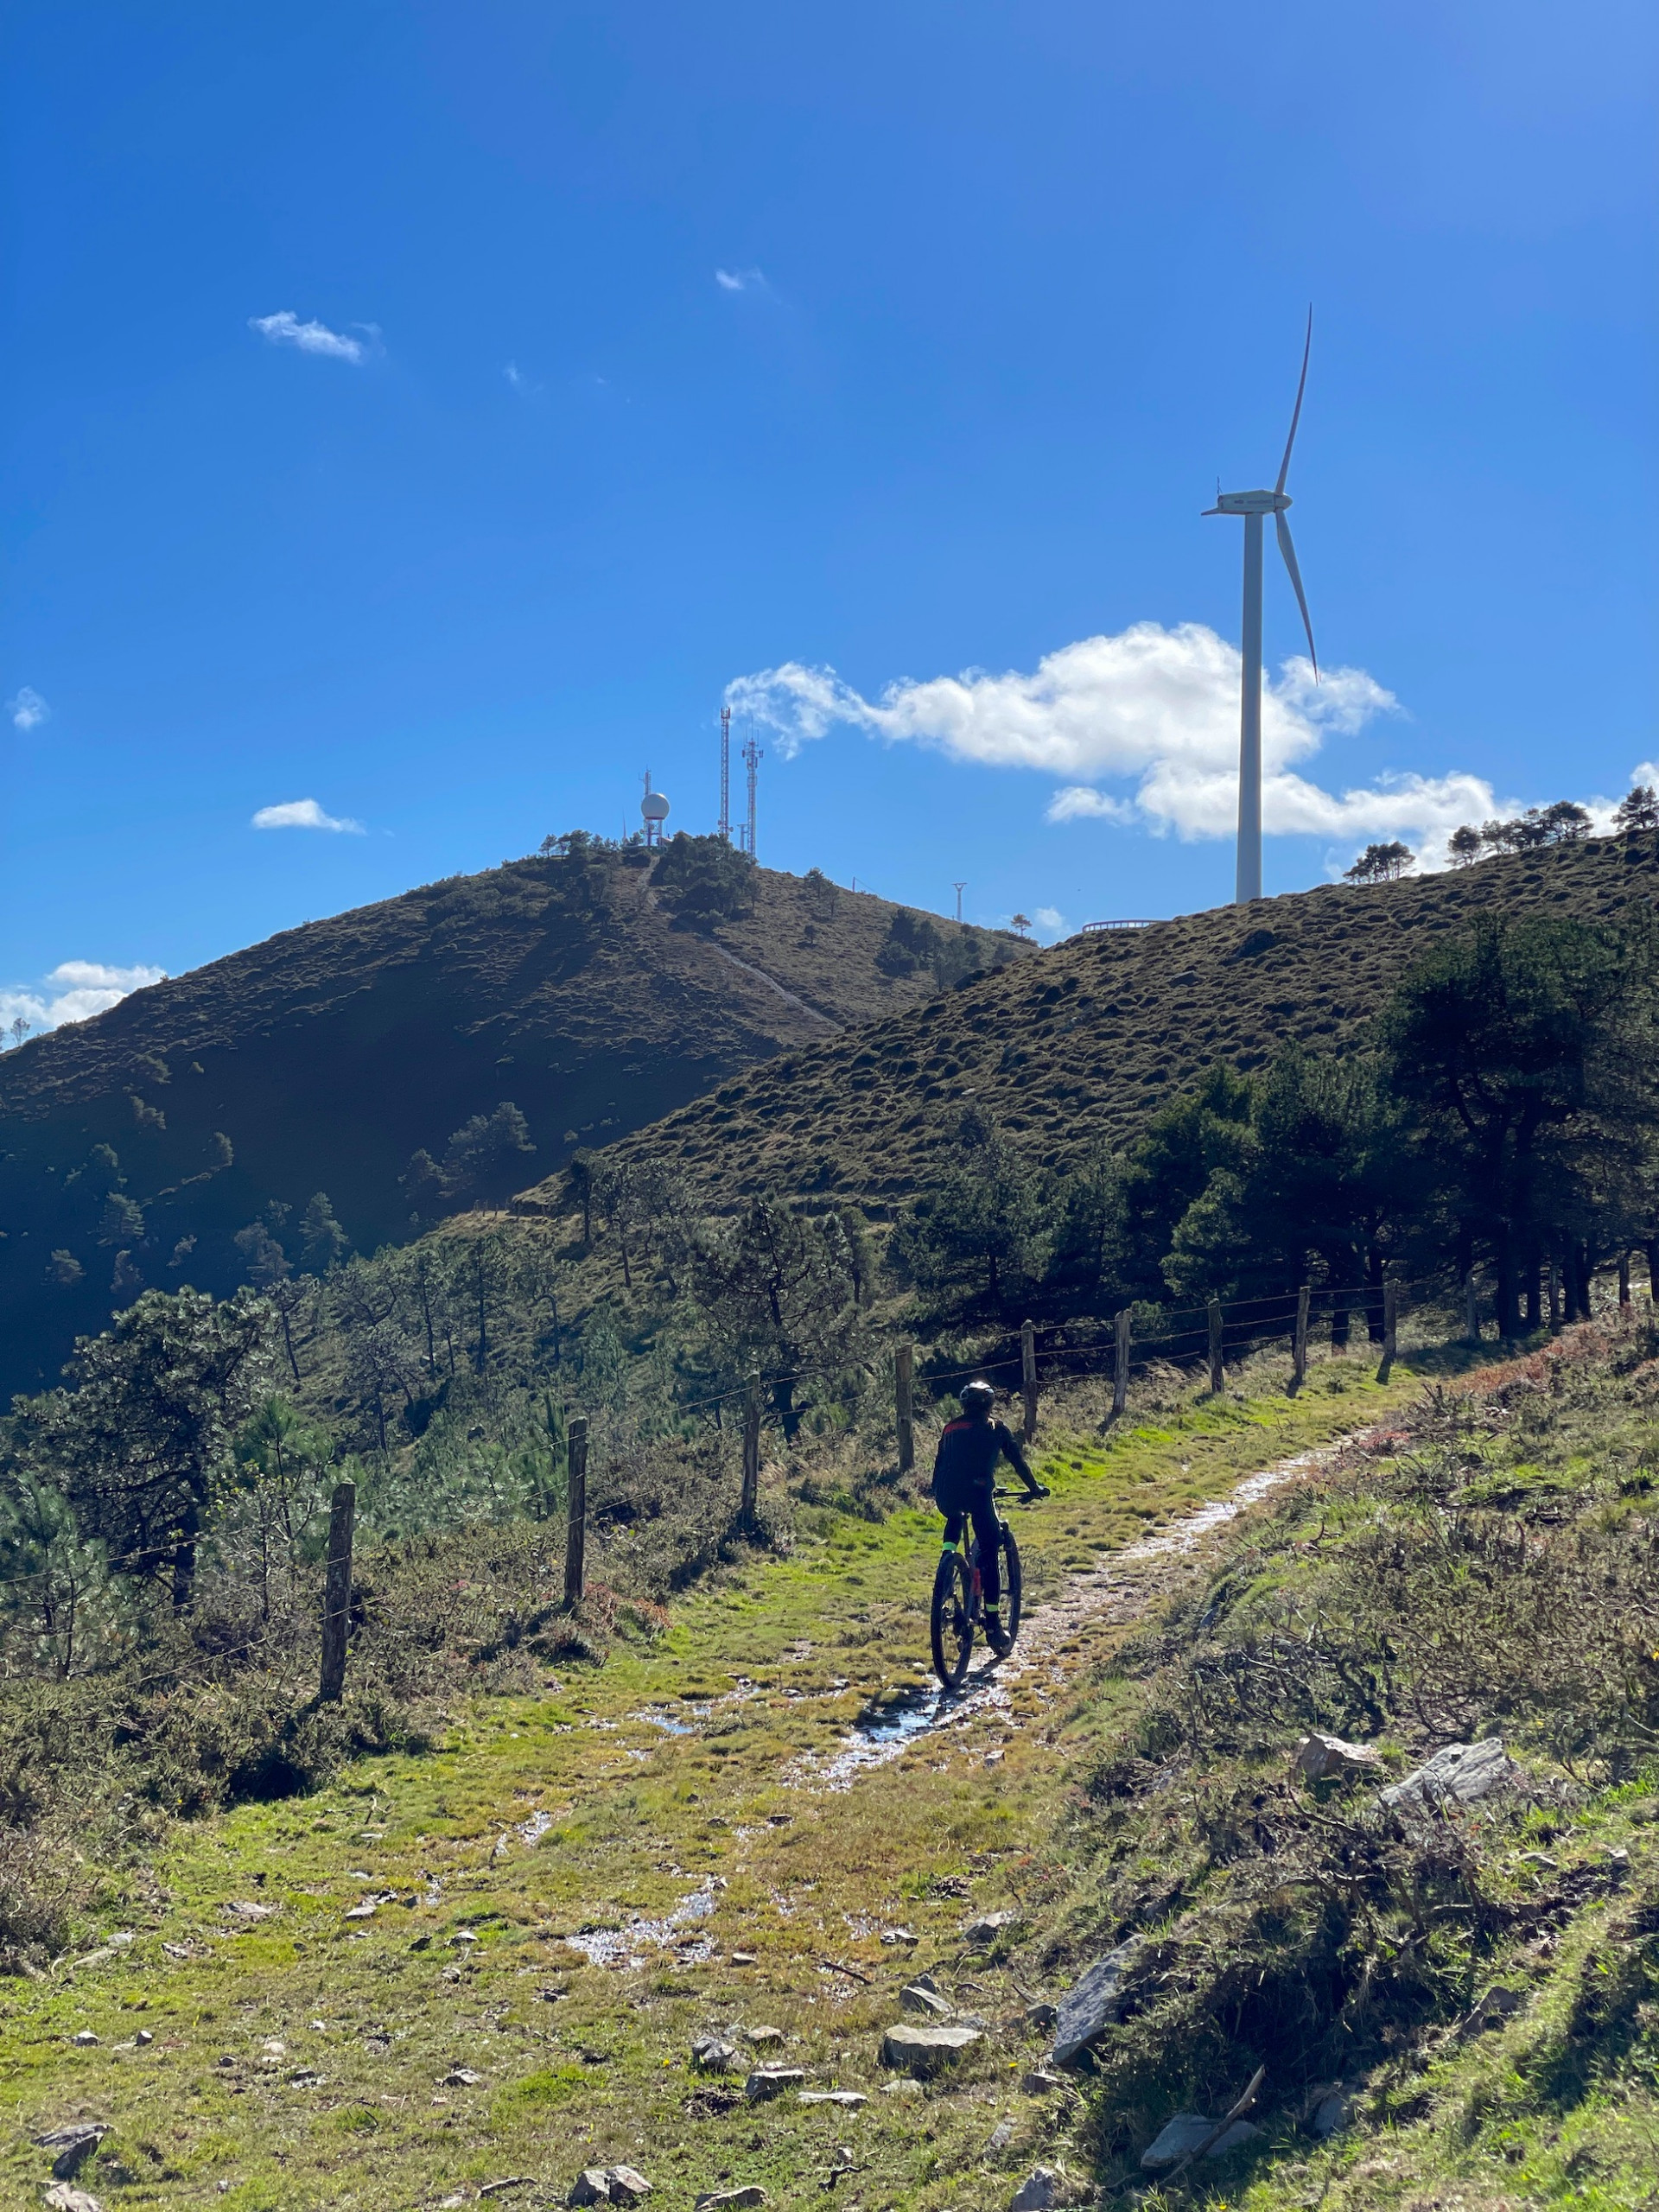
[725, 773]
[752, 759]
[960, 887]
[653, 812]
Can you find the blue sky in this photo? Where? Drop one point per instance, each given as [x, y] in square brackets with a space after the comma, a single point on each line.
[632, 352]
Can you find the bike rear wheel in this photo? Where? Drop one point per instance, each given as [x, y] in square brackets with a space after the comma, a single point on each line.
[1009, 1559]
[953, 1620]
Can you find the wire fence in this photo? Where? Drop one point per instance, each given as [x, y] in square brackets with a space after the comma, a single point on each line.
[1025, 1364]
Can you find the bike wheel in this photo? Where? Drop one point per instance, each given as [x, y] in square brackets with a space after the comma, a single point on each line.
[1009, 1559]
[953, 1622]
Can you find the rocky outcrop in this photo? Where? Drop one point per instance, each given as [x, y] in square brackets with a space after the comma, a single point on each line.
[1097, 2002]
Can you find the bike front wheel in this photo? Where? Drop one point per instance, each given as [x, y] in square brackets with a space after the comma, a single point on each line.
[953, 1620]
[1009, 1559]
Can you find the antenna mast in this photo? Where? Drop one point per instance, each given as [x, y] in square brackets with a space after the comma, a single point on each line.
[725, 773]
[960, 888]
[751, 762]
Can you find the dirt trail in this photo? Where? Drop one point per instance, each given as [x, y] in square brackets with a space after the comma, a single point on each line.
[649, 897]
[1049, 1649]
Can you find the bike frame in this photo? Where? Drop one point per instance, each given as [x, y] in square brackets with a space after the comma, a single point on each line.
[977, 1583]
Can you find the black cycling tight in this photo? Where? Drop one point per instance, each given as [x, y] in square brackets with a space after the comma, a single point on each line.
[982, 1508]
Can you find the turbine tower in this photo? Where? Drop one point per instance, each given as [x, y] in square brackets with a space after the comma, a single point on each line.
[1253, 505]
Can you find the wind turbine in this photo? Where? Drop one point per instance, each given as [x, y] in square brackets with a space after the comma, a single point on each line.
[1253, 505]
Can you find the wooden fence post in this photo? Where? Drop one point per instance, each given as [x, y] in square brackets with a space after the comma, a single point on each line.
[1120, 1369]
[1299, 1342]
[1028, 1376]
[1472, 1307]
[1623, 1278]
[576, 1511]
[751, 1454]
[1216, 1377]
[904, 1397]
[337, 1594]
[1390, 1320]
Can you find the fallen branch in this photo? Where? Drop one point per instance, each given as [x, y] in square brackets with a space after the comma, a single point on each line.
[836, 1966]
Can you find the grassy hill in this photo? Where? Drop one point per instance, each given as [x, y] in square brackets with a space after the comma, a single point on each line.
[479, 1958]
[1081, 1043]
[584, 988]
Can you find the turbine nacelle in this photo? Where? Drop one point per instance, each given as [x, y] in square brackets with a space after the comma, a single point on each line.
[1249, 503]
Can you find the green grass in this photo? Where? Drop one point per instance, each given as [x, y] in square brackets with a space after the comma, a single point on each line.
[783, 1653]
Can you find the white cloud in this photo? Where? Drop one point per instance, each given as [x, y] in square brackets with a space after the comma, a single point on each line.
[1050, 922]
[1080, 802]
[304, 814]
[516, 376]
[1155, 708]
[75, 991]
[285, 329]
[741, 280]
[27, 708]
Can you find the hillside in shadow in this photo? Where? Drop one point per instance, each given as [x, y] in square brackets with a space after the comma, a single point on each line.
[592, 991]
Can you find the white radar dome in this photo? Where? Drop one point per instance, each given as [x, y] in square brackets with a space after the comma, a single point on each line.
[654, 807]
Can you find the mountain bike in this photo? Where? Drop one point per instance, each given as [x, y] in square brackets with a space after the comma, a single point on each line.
[959, 1601]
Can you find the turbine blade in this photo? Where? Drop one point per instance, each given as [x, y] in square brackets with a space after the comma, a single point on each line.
[1296, 417]
[1289, 552]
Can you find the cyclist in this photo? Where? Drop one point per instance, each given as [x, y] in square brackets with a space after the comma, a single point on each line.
[962, 1479]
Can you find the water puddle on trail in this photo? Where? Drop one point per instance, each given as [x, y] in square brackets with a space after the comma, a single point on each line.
[887, 1728]
[883, 1731]
[628, 1946]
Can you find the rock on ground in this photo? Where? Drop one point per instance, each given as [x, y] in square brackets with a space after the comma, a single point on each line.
[1461, 1775]
[924, 2049]
[73, 2145]
[1042, 2188]
[849, 2099]
[608, 2185]
[928, 2002]
[1318, 1758]
[713, 2054]
[731, 2200]
[63, 2197]
[1332, 2113]
[988, 1927]
[768, 2081]
[1497, 2006]
[1096, 2002]
[1184, 2133]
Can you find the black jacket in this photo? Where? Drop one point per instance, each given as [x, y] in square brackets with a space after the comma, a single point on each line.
[967, 1457]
